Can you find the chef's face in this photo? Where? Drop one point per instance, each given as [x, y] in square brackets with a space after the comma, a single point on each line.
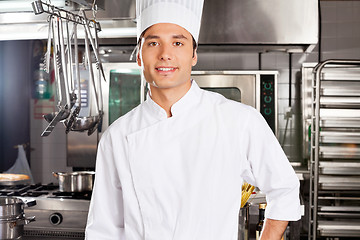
[167, 56]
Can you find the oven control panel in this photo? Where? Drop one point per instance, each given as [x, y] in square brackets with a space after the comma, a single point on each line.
[267, 99]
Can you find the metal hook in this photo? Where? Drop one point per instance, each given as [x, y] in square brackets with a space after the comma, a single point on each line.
[94, 9]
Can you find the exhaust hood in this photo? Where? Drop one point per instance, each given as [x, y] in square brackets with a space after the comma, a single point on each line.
[270, 24]
[249, 25]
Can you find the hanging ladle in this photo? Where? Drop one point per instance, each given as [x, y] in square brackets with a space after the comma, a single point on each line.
[89, 122]
[100, 99]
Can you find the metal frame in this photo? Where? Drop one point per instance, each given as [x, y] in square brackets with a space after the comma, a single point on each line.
[315, 134]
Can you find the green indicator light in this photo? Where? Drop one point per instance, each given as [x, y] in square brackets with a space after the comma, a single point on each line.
[267, 111]
[267, 99]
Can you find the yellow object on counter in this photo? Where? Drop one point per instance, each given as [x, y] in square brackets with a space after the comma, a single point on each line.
[246, 191]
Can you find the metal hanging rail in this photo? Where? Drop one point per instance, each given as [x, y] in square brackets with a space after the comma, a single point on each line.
[315, 142]
[40, 7]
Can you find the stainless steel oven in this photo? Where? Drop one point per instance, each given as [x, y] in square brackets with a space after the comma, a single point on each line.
[255, 88]
[58, 214]
[125, 89]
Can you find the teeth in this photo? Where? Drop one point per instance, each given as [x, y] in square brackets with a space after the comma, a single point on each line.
[165, 69]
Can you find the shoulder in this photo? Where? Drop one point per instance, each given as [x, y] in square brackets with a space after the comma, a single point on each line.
[234, 114]
[124, 121]
[224, 104]
[124, 124]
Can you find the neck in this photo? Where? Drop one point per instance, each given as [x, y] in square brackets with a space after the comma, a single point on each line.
[166, 97]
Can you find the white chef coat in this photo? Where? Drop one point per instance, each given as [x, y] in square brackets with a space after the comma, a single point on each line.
[180, 178]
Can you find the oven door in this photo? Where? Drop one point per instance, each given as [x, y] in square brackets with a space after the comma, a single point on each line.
[122, 91]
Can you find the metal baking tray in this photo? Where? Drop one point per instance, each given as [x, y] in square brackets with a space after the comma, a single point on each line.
[337, 228]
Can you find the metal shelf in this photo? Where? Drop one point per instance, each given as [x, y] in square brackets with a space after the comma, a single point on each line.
[340, 136]
[335, 149]
[340, 151]
[339, 123]
[339, 229]
[339, 167]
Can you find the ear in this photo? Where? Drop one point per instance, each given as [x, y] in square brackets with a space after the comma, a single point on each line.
[138, 59]
[194, 59]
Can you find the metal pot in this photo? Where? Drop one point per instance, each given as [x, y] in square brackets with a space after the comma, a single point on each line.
[75, 181]
[12, 218]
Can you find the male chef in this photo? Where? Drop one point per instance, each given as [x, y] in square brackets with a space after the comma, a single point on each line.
[173, 167]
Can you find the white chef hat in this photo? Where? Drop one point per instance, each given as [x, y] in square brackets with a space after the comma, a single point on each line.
[185, 13]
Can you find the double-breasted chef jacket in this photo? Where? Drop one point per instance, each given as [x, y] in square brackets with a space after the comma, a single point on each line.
[180, 178]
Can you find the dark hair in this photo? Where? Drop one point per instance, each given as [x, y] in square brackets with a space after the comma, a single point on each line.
[143, 33]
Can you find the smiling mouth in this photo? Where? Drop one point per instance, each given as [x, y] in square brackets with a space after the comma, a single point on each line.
[166, 69]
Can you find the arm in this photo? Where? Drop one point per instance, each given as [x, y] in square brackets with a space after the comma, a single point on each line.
[267, 167]
[106, 212]
[273, 229]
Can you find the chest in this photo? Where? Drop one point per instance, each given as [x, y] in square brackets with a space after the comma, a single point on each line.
[198, 157]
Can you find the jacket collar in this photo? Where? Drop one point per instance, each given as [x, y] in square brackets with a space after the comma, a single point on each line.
[188, 101]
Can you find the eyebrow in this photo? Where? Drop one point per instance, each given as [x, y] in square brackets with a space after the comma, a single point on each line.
[179, 36]
[151, 37]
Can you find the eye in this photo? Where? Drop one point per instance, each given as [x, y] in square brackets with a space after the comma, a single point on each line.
[153, 44]
[178, 44]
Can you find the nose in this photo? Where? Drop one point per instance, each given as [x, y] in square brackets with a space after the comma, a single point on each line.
[165, 53]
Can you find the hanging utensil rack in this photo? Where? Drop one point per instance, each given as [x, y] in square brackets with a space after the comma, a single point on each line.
[334, 150]
[40, 7]
[68, 112]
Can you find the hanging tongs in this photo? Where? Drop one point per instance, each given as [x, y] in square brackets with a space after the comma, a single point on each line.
[48, 49]
[93, 44]
[100, 99]
[70, 68]
[75, 113]
[60, 79]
